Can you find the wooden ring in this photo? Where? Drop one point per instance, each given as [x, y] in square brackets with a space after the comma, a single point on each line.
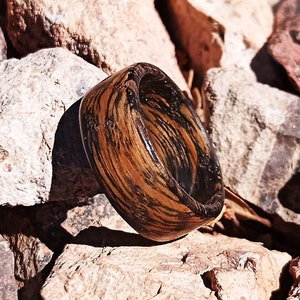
[150, 153]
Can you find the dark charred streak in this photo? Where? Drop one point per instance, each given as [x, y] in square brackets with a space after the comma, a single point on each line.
[117, 99]
[184, 257]
[295, 35]
[131, 75]
[131, 99]
[180, 167]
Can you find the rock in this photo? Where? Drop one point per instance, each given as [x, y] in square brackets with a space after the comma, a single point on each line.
[284, 44]
[95, 212]
[31, 257]
[295, 268]
[255, 132]
[202, 45]
[233, 30]
[110, 34]
[30, 254]
[270, 72]
[175, 270]
[42, 157]
[252, 20]
[294, 293]
[38, 233]
[46, 214]
[227, 289]
[8, 286]
[3, 46]
[290, 194]
[97, 226]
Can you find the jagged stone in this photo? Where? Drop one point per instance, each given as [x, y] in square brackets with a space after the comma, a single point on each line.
[95, 212]
[204, 45]
[110, 34]
[284, 44]
[175, 270]
[8, 286]
[294, 293]
[252, 20]
[255, 132]
[223, 33]
[41, 154]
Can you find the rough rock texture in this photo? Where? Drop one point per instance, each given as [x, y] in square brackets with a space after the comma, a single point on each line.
[204, 45]
[31, 256]
[255, 130]
[110, 34]
[42, 158]
[81, 245]
[3, 46]
[231, 29]
[8, 286]
[95, 212]
[269, 72]
[253, 20]
[170, 271]
[37, 234]
[95, 223]
[284, 44]
[294, 293]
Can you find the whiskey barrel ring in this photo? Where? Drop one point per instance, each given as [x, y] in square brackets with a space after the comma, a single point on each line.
[151, 153]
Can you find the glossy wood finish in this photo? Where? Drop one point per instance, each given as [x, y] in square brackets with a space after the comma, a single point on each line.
[151, 153]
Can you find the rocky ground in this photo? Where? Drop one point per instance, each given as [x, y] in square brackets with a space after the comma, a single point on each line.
[238, 60]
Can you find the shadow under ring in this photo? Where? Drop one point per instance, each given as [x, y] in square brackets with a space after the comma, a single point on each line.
[150, 152]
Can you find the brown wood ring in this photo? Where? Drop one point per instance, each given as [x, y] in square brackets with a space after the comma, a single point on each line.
[151, 154]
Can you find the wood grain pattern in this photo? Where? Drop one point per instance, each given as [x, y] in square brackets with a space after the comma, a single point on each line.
[151, 153]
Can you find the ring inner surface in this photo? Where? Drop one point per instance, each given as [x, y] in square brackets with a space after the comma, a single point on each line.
[176, 136]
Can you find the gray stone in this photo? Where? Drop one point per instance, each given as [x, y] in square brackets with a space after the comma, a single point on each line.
[8, 286]
[251, 20]
[31, 255]
[95, 212]
[170, 271]
[255, 130]
[41, 155]
[110, 34]
[284, 43]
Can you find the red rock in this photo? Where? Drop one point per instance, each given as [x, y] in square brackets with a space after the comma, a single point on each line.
[294, 269]
[195, 33]
[109, 34]
[284, 44]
